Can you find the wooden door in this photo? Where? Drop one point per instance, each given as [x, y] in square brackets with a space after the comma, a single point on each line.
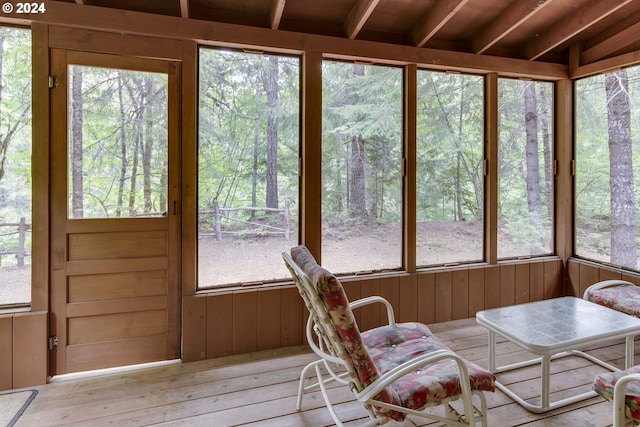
[115, 196]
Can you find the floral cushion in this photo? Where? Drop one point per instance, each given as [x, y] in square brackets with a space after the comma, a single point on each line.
[379, 350]
[625, 298]
[391, 346]
[603, 384]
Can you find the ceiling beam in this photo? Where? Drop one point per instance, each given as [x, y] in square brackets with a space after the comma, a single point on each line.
[435, 19]
[562, 31]
[232, 35]
[612, 44]
[358, 17]
[275, 14]
[512, 17]
[184, 8]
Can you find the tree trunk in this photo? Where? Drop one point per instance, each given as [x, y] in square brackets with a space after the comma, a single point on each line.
[357, 188]
[546, 147]
[123, 149]
[272, 133]
[534, 200]
[256, 150]
[623, 223]
[147, 144]
[77, 192]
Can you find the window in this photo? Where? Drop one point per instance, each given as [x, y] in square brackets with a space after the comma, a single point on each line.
[525, 173]
[15, 166]
[450, 181]
[361, 167]
[248, 148]
[117, 143]
[607, 169]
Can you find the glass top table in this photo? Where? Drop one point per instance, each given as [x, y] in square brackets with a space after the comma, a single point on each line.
[556, 328]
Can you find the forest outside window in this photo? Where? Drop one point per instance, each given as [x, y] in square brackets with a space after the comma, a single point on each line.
[525, 172]
[362, 135]
[118, 143]
[15, 167]
[450, 181]
[248, 151]
[607, 169]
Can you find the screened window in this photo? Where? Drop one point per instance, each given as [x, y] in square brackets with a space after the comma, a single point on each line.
[361, 167]
[15, 166]
[607, 168]
[450, 181]
[248, 150]
[118, 143]
[525, 173]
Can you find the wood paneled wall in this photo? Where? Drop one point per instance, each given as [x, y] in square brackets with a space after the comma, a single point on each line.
[582, 273]
[23, 349]
[242, 321]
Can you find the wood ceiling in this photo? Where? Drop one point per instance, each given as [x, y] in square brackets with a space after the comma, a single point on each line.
[570, 32]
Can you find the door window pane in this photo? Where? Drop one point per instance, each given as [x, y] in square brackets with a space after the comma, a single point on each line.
[15, 166]
[608, 167]
[248, 147]
[361, 167]
[117, 143]
[450, 181]
[525, 173]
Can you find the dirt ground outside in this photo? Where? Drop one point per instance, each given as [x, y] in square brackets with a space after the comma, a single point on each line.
[250, 260]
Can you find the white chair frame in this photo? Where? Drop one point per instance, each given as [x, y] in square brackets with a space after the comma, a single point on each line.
[336, 363]
[619, 413]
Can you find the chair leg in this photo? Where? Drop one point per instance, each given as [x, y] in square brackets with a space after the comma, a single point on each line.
[301, 387]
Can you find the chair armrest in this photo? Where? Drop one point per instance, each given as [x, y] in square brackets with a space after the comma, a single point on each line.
[375, 299]
[411, 365]
[619, 401]
[606, 284]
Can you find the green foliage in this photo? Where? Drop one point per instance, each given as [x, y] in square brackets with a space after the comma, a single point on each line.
[122, 114]
[232, 140]
[15, 137]
[362, 102]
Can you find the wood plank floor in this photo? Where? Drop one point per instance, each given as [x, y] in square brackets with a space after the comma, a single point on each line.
[259, 389]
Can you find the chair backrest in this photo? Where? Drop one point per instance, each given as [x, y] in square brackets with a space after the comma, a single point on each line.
[329, 307]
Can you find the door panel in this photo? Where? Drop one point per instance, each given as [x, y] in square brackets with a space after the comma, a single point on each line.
[115, 243]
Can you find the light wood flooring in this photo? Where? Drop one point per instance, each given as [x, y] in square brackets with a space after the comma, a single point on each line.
[259, 389]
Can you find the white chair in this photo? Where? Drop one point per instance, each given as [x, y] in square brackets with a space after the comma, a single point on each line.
[393, 370]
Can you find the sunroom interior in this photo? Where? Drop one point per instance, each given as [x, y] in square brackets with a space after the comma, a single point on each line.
[158, 157]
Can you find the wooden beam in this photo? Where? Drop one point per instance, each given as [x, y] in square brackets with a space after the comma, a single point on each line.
[491, 168]
[516, 14]
[410, 161]
[435, 19]
[231, 35]
[275, 14]
[606, 65]
[184, 8]
[584, 18]
[358, 16]
[612, 44]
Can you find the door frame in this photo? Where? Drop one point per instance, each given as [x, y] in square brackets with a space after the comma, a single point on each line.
[59, 60]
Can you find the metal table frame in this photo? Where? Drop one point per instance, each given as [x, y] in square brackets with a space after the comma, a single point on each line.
[571, 329]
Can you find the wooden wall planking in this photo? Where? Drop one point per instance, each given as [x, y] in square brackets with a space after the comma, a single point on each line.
[246, 320]
[583, 273]
[29, 349]
[6, 352]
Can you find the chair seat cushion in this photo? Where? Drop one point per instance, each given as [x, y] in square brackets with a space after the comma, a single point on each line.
[624, 298]
[391, 346]
[603, 384]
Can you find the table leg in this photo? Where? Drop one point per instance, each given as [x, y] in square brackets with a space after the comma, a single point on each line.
[492, 351]
[545, 379]
[629, 357]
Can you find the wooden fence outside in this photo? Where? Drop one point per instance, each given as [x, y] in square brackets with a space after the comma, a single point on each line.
[22, 230]
[218, 214]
